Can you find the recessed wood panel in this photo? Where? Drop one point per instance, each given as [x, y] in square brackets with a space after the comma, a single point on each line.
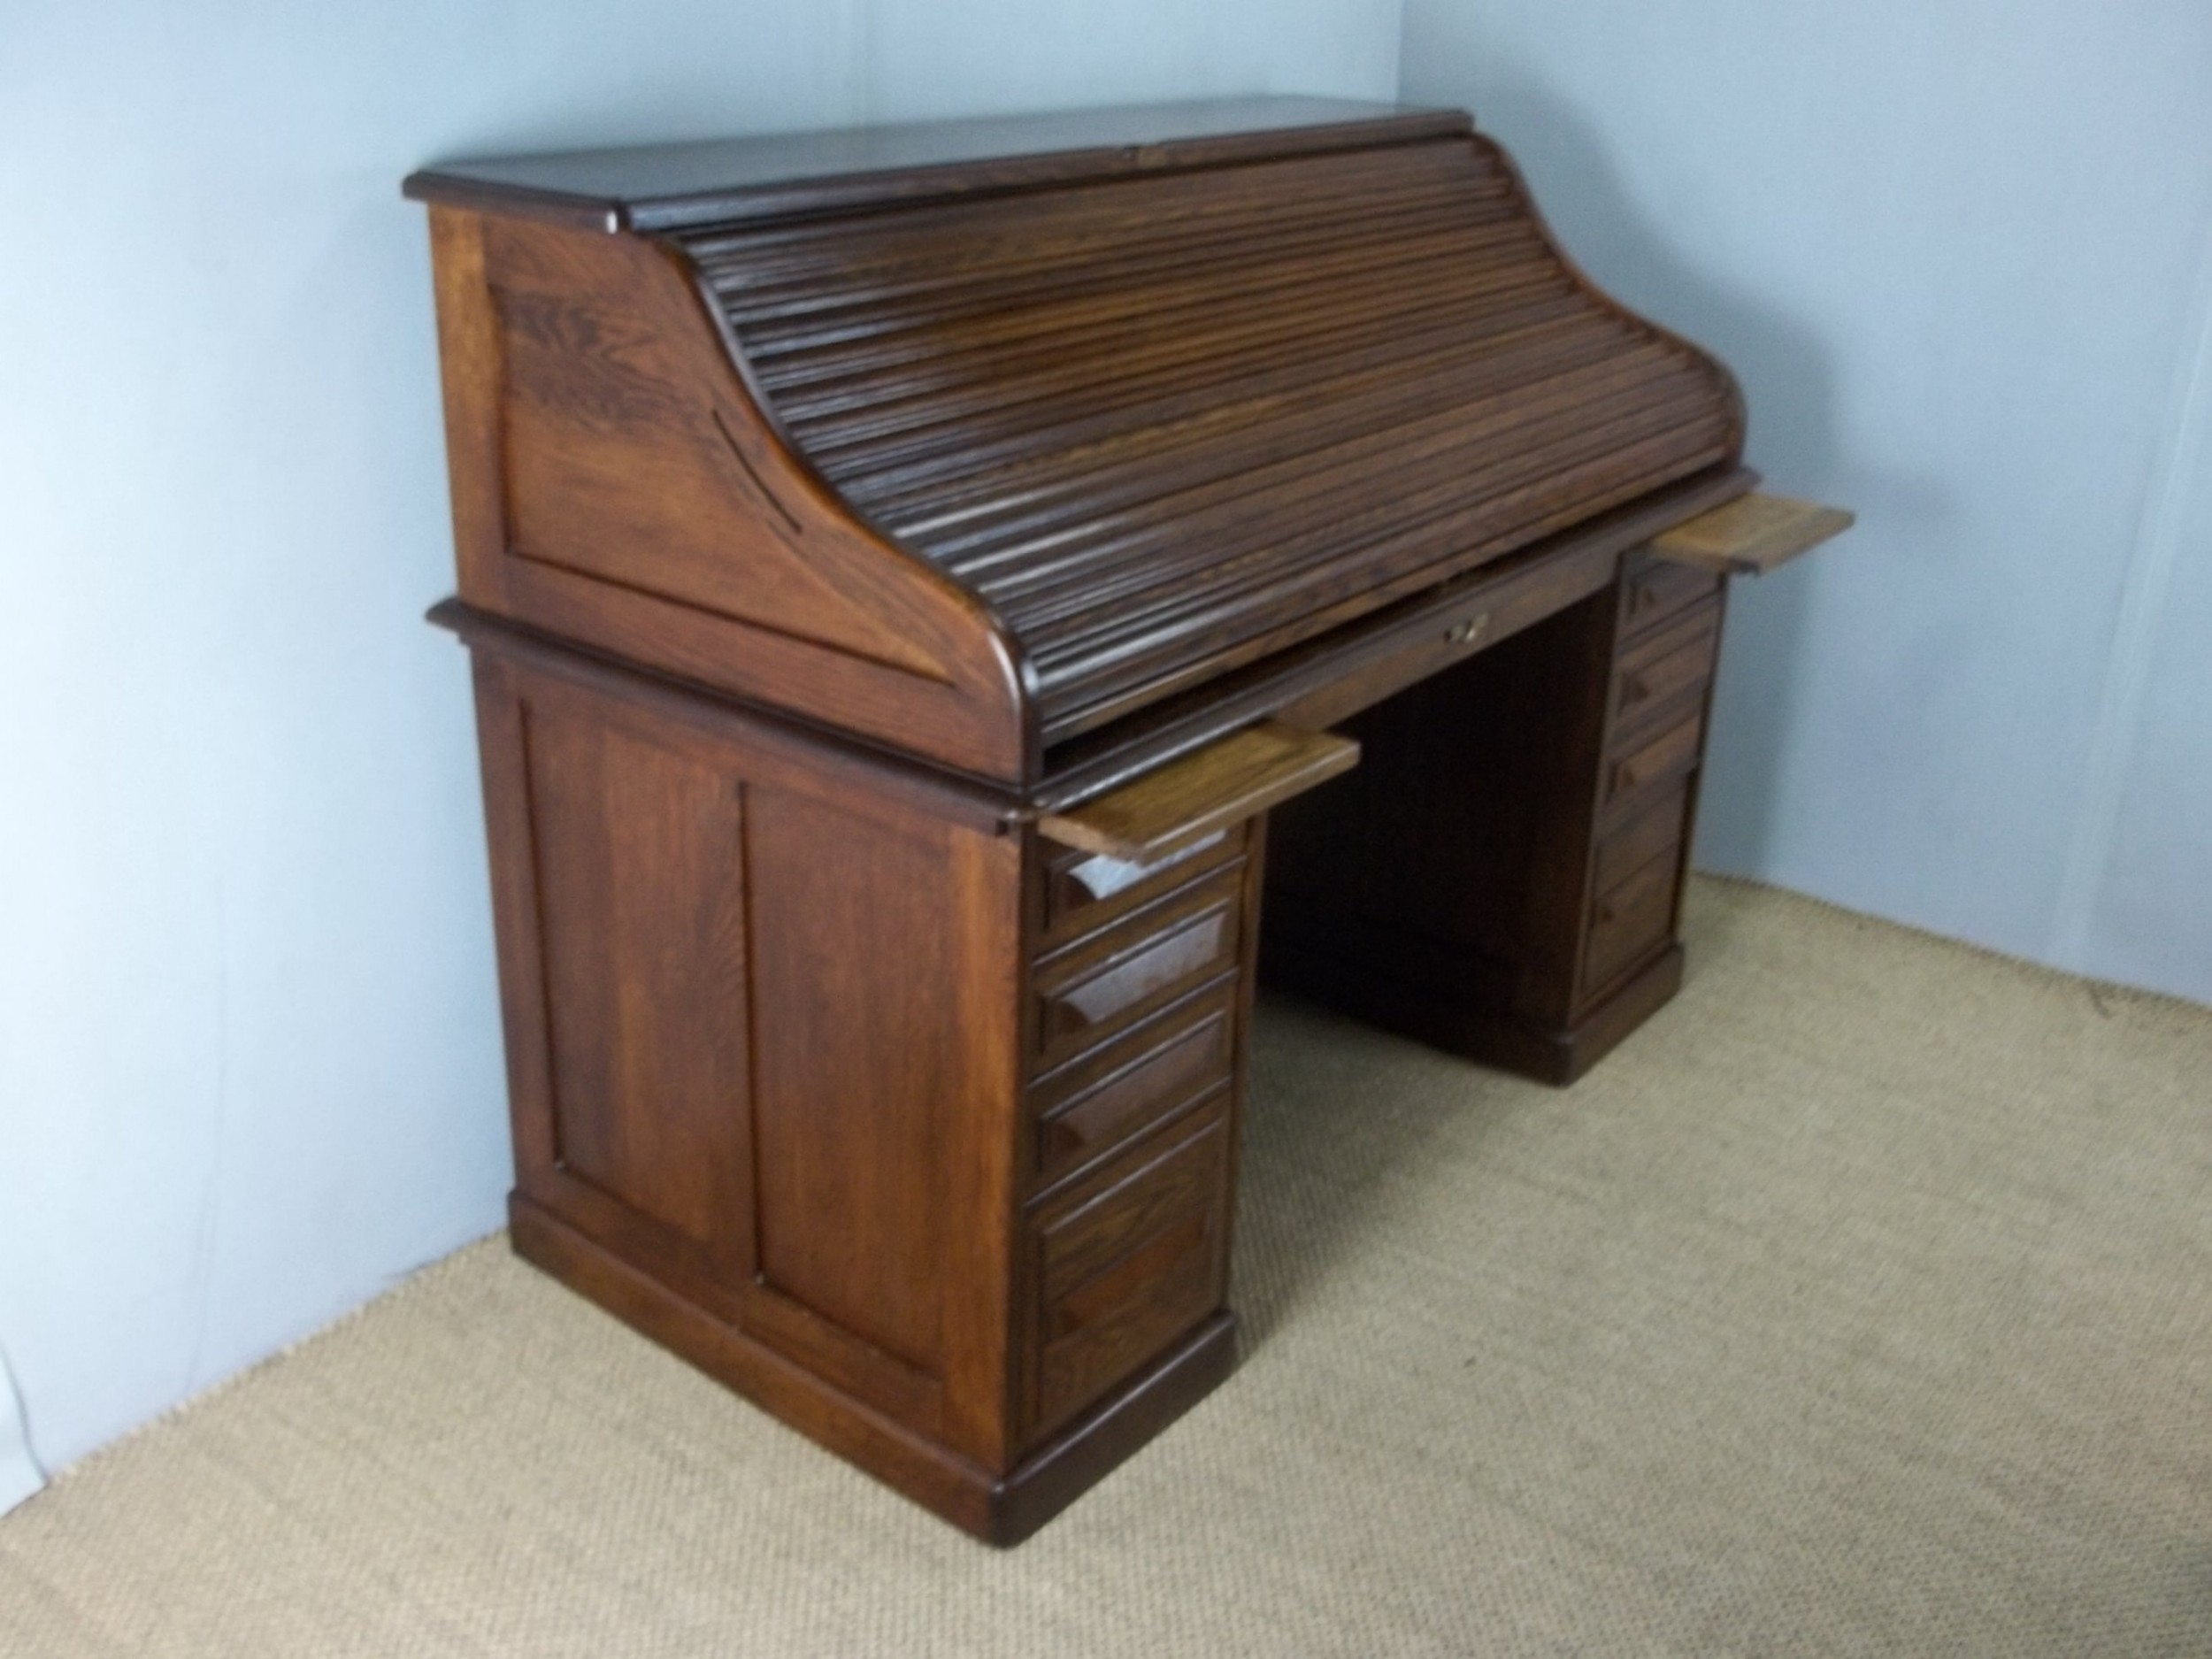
[642, 904]
[866, 1008]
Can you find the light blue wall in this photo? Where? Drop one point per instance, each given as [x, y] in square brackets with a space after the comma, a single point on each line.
[1957, 252]
[248, 1061]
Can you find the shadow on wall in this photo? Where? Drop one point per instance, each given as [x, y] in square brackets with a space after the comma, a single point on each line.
[1787, 388]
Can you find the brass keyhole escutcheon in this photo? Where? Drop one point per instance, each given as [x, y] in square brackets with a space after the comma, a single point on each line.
[1467, 628]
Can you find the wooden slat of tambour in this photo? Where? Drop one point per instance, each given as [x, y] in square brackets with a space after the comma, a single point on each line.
[1752, 534]
[877, 355]
[1131, 332]
[916, 501]
[1165, 425]
[873, 349]
[866, 357]
[1210, 540]
[1235, 609]
[1191, 417]
[1080, 213]
[1078, 223]
[851, 317]
[1298, 608]
[929, 280]
[1038, 416]
[1223, 784]
[965, 538]
[1507, 500]
[1530, 410]
[842, 322]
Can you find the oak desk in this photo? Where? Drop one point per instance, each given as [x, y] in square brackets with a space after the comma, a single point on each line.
[913, 575]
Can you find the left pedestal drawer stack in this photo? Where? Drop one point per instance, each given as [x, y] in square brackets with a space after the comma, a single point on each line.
[844, 1081]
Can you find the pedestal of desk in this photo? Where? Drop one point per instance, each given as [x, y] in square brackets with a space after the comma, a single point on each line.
[917, 1129]
[1502, 875]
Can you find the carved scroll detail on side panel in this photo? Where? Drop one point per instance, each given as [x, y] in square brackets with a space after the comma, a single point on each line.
[647, 509]
[616, 469]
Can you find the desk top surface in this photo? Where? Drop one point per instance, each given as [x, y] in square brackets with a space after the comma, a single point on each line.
[668, 187]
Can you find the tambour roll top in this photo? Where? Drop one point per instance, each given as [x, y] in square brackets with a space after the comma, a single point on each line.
[1168, 404]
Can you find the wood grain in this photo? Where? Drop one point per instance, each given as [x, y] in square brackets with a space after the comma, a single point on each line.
[1752, 534]
[1167, 425]
[913, 577]
[1223, 784]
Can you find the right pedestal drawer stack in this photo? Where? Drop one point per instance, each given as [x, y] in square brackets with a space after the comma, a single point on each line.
[1667, 634]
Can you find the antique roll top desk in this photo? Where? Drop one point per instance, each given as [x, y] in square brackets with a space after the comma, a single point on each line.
[911, 575]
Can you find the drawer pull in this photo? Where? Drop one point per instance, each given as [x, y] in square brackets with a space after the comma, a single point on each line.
[1181, 955]
[1467, 629]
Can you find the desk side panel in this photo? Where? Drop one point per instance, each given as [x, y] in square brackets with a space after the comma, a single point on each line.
[763, 1031]
[614, 484]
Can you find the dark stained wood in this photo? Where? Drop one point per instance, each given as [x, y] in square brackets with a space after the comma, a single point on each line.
[615, 485]
[768, 1041]
[653, 188]
[1320, 684]
[911, 578]
[1505, 867]
[650, 1052]
[1083, 891]
[1170, 424]
[1202, 793]
[1126, 1264]
[1751, 536]
[471, 373]
[1085, 991]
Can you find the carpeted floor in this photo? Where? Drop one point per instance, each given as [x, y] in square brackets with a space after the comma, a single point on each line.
[1860, 1305]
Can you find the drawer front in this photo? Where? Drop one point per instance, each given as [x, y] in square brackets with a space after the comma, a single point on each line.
[1123, 1267]
[1628, 923]
[1674, 662]
[1156, 1069]
[1653, 829]
[1086, 891]
[1656, 590]
[1088, 991]
[1655, 760]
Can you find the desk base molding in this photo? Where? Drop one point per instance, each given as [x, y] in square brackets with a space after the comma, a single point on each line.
[999, 1510]
[1443, 1019]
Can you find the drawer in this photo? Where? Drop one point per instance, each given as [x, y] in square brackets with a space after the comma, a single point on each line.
[1674, 662]
[1089, 990]
[1628, 922]
[1124, 1266]
[1655, 829]
[1656, 589]
[1651, 761]
[1084, 891]
[1107, 1097]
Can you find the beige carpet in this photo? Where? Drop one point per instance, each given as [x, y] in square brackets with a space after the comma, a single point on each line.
[1861, 1304]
